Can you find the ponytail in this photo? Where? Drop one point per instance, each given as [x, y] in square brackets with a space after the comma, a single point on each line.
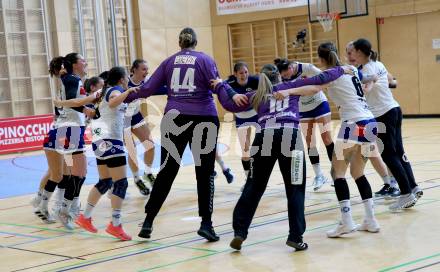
[265, 87]
[113, 77]
[56, 66]
[364, 46]
[327, 51]
[373, 55]
[268, 77]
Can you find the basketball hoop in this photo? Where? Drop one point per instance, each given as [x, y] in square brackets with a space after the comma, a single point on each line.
[326, 20]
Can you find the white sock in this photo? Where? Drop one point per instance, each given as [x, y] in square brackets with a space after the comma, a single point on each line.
[66, 205]
[147, 170]
[393, 182]
[75, 202]
[317, 169]
[222, 164]
[386, 179]
[346, 212]
[369, 208]
[116, 217]
[89, 210]
[135, 174]
[59, 196]
[45, 197]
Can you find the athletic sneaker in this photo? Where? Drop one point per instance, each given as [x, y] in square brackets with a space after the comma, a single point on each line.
[297, 246]
[146, 230]
[150, 179]
[404, 201]
[383, 191]
[318, 182]
[417, 192]
[236, 242]
[66, 219]
[341, 229]
[45, 216]
[228, 175]
[370, 225]
[117, 232]
[207, 232]
[143, 189]
[86, 223]
[393, 192]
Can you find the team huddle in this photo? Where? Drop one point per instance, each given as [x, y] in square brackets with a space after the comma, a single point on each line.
[283, 103]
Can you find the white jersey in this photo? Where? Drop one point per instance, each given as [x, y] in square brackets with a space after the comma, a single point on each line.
[110, 125]
[71, 88]
[379, 98]
[308, 103]
[346, 92]
[135, 106]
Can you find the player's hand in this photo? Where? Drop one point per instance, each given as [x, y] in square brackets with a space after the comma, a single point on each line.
[348, 70]
[90, 113]
[216, 81]
[280, 95]
[133, 90]
[57, 102]
[240, 100]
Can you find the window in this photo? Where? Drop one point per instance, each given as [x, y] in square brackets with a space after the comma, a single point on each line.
[25, 87]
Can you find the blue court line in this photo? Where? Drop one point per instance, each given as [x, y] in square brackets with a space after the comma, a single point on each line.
[22, 174]
[22, 235]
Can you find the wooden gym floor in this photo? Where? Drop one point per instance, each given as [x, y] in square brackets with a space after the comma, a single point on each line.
[408, 241]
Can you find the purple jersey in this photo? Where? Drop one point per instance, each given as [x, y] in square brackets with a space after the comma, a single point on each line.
[187, 75]
[278, 113]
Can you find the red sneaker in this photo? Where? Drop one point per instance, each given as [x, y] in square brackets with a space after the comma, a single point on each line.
[85, 223]
[118, 232]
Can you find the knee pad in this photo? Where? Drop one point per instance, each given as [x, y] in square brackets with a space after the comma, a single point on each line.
[103, 185]
[120, 188]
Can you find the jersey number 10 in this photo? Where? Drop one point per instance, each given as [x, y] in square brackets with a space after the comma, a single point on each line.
[278, 105]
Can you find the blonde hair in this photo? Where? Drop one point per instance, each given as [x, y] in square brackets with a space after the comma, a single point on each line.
[269, 76]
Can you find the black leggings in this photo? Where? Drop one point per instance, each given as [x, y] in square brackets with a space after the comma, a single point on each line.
[262, 163]
[203, 142]
[393, 153]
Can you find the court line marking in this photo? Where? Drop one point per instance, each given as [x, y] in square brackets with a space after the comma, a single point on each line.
[251, 244]
[423, 267]
[386, 269]
[276, 221]
[111, 258]
[21, 235]
[313, 212]
[35, 266]
[45, 253]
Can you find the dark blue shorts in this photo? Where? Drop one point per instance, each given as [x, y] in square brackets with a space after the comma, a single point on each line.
[135, 121]
[246, 122]
[108, 148]
[65, 139]
[364, 131]
[322, 110]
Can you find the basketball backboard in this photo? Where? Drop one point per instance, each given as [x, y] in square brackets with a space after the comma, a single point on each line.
[345, 8]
